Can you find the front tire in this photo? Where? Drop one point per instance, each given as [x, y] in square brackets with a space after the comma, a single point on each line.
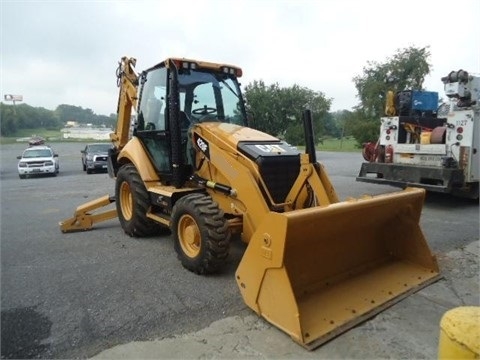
[133, 202]
[200, 233]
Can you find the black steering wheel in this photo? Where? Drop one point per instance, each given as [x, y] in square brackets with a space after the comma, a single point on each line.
[204, 111]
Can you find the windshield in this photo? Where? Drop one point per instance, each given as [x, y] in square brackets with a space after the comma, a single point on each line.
[208, 96]
[99, 147]
[37, 153]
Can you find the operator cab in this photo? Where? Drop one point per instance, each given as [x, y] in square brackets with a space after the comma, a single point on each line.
[176, 94]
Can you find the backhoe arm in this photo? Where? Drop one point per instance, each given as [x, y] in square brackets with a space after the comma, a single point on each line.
[127, 80]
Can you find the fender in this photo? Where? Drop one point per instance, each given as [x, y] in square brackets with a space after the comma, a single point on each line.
[135, 153]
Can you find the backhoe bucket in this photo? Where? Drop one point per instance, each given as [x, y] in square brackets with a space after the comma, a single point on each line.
[317, 272]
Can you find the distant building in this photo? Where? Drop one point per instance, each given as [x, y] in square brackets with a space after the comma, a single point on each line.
[86, 133]
[71, 124]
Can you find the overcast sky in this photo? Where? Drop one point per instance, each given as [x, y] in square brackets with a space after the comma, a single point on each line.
[66, 52]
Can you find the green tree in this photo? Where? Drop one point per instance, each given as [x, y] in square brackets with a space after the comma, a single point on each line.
[262, 100]
[83, 116]
[24, 116]
[406, 70]
[333, 126]
[74, 113]
[278, 111]
[362, 127]
[7, 120]
[47, 119]
[342, 121]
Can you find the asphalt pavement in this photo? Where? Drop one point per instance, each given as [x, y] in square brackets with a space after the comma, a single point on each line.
[104, 294]
[408, 330]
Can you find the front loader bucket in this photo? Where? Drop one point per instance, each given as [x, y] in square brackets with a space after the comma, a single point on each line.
[317, 272]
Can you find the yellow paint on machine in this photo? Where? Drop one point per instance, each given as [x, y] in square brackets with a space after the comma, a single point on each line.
[317, 272]
[314, 267]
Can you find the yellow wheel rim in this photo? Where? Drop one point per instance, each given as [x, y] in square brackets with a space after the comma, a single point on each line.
[189, 236]
[126, 201]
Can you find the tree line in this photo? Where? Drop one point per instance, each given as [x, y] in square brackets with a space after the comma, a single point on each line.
[24, 116]
[277, 110]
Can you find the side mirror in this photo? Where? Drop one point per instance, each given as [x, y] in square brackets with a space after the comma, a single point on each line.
[19, 157]
[55, 155]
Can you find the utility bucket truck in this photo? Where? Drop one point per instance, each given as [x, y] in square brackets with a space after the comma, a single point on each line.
[418, 146]
[314, 266]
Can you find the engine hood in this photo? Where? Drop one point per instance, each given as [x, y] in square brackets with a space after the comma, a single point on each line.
[233, 134]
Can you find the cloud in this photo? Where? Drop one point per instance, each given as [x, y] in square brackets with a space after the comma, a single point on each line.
[67, 52]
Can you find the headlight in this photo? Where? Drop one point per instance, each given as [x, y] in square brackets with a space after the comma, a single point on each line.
[48, 163]
[22, 164]
[89, 157]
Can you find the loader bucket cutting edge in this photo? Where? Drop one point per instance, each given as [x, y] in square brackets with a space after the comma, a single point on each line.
[317, 272]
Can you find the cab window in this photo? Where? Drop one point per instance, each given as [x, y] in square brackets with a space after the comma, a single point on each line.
[151, 112]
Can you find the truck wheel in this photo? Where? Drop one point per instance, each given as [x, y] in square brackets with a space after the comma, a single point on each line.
[132, 202]
[200, 233]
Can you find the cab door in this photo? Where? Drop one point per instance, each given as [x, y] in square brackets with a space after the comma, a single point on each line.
[152, 125]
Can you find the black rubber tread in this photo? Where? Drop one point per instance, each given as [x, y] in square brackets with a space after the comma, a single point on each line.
[215, 235]
[139, 225]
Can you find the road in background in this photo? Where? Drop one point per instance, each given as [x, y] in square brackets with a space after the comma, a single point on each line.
[74, 295]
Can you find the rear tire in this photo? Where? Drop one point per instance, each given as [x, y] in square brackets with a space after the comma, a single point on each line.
[133, 202]
[200, 233]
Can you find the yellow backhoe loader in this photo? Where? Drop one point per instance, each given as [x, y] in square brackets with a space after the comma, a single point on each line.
[314, 266]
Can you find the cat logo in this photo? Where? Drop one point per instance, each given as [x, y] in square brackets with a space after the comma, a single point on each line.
[202, 145]
[270, 148]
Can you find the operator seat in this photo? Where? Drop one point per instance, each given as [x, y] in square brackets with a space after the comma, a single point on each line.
[152, 114]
